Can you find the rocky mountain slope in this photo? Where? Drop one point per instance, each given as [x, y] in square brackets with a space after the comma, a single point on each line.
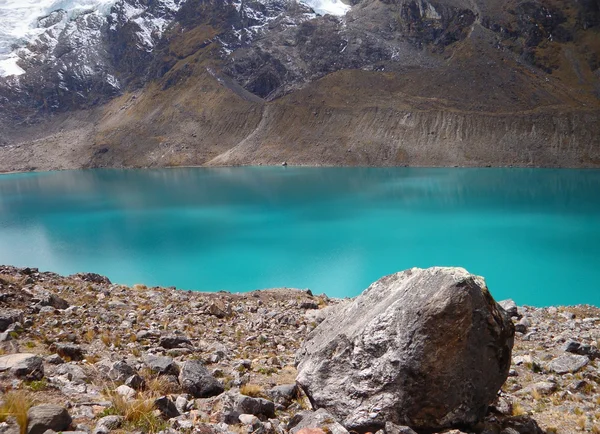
[93, 356]
[390, 82]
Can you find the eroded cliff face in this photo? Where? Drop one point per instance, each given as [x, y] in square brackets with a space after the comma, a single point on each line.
[393, 82]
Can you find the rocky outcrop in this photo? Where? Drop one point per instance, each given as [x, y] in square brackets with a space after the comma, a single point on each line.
[425, 348]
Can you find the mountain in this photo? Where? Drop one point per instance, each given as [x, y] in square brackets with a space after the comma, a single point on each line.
[151, 83]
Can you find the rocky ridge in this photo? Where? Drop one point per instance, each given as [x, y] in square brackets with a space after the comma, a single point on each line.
[392, 82]
[81, 353]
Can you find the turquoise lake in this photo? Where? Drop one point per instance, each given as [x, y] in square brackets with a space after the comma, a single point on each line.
[534, 234]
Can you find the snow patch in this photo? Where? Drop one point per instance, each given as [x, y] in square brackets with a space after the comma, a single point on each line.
[8, 66]
[331, 7]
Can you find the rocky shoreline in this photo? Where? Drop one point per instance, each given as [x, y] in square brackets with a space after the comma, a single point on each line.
[79, 353]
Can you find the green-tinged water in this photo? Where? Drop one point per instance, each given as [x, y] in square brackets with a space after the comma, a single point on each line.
[533, 233]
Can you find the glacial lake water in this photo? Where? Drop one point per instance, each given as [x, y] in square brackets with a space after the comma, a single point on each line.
[534, 234]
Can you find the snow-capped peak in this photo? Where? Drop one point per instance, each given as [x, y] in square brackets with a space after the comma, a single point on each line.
[22, 21]
[19, 23]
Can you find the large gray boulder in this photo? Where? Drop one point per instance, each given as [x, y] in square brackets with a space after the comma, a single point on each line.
[424, 348]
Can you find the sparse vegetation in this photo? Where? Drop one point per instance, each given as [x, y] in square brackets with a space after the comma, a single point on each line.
[139, 413]
[38, 385]
[253, 390]
[518, 410]
[16, 403]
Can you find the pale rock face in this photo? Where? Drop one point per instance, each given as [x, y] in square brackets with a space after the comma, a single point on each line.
[425, 348]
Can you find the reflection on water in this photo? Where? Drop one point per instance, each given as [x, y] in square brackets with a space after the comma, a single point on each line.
[534, 233]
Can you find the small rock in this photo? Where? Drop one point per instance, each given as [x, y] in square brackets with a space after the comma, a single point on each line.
[196, 380]
[219, 353]
[571, 346]
[234, 404]
[568, 363]
[514, 425]
[48, 310]
[522, 325]
[126, 392]
[568, 315]
[120, 371]
[283, 395]
[44, 417]
[311, 431]
[107, 424]
[92, 277]
[54, 301]
[578, 385]
[9, 427]
[502, 406]
[510, 307]
[146, 335]
[174, 341]
[8, 317]
[135, 382]
[248, 419]
[541, 387]
[391, 428]
[319, 419]
[73, 373]
[54, 359]
[219, 309]
[166, 407]
[181, 403]
[181, 424]
[69, 351]
[161, 365]
[307, 305]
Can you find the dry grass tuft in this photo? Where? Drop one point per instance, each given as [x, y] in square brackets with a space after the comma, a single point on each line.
[89, 336]
[253, 390]
[158, 386]
[139, 413]
[16, 403]
[92, 358]
[518, 409]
